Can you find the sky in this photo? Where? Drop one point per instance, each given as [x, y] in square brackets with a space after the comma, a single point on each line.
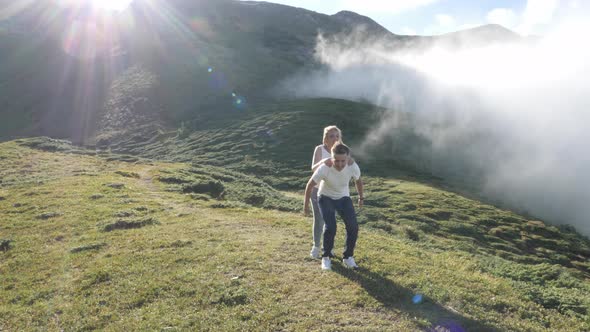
[433, 17]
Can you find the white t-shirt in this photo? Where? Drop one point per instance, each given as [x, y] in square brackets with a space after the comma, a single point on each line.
[334, 183]
[325, 154]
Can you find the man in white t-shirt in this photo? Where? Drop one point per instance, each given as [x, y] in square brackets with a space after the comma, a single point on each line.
[334, 196]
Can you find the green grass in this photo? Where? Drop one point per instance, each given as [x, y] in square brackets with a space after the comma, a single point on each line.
[205, 262]
[260, 140]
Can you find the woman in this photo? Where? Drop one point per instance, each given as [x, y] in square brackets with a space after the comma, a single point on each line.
[321, 156]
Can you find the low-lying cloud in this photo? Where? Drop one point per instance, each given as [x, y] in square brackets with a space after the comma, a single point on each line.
[516, 117]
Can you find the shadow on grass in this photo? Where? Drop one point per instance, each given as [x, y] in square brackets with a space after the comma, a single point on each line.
[394, 296]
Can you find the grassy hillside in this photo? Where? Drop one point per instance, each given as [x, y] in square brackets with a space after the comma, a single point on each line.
[102, 241]
[272, 139]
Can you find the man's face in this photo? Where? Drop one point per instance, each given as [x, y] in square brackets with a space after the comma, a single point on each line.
[340, 161]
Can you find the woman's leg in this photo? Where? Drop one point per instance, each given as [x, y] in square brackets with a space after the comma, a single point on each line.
[329, 213]
[318, 221]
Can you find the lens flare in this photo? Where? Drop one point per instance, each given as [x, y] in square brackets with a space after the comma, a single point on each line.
[201, 27]
[417, 299]
[83, 40]
[239, 102]
[116, 5]
[217, 80]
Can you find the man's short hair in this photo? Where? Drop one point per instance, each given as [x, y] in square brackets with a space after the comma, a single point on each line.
[340, 148]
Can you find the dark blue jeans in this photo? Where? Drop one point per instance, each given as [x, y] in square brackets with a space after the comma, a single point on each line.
[344, 207]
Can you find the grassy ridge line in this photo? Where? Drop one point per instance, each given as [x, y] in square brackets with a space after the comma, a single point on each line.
[209, 269]
[260, 140]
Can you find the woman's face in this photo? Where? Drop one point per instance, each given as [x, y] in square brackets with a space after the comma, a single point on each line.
[333, 137]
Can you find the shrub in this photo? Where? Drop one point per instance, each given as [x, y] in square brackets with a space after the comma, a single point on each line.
[211, 187]
[128, 174]
[87, 247]
[412, 234]
[124, 224]
[5, 244]
[48, 215]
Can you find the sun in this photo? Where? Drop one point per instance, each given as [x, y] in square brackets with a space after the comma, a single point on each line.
[116, 5]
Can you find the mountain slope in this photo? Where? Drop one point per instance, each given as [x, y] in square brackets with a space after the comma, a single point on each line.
[198, 51]
[91, 242]
[73, 62]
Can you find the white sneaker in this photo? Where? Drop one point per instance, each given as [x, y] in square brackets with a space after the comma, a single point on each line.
[350, 263]
[315, 253]
[326, 263]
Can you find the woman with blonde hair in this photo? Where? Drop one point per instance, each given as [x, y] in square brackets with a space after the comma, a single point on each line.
[322, 155]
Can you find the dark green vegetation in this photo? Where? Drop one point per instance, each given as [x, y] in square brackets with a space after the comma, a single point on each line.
[151, 245]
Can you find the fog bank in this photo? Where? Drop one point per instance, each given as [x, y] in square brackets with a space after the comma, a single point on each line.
[513, 117]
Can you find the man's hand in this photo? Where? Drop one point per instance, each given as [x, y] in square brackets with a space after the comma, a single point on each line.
[360, 203]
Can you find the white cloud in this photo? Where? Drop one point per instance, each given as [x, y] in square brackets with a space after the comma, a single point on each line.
[443, 23]
[467, 26]
[574, 4]
[445, 20]
[384, 7]
[536, 13]
[408, 31]
[502, 16]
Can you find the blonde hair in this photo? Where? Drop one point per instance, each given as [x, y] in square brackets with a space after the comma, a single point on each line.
[329, 129]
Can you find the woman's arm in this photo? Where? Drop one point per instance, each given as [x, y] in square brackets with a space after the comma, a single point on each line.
[310, 184]
[317, 158]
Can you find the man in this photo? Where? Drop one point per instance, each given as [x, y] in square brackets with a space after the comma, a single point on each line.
[334, 196]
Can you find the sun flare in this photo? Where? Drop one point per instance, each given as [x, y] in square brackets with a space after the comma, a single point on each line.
[117, 5]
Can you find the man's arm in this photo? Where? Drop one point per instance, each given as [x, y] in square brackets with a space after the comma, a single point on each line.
[359, 188]
[310, 184]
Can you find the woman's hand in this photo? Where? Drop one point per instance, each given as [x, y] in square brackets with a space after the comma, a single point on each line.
[306, 211]
[328, 162]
